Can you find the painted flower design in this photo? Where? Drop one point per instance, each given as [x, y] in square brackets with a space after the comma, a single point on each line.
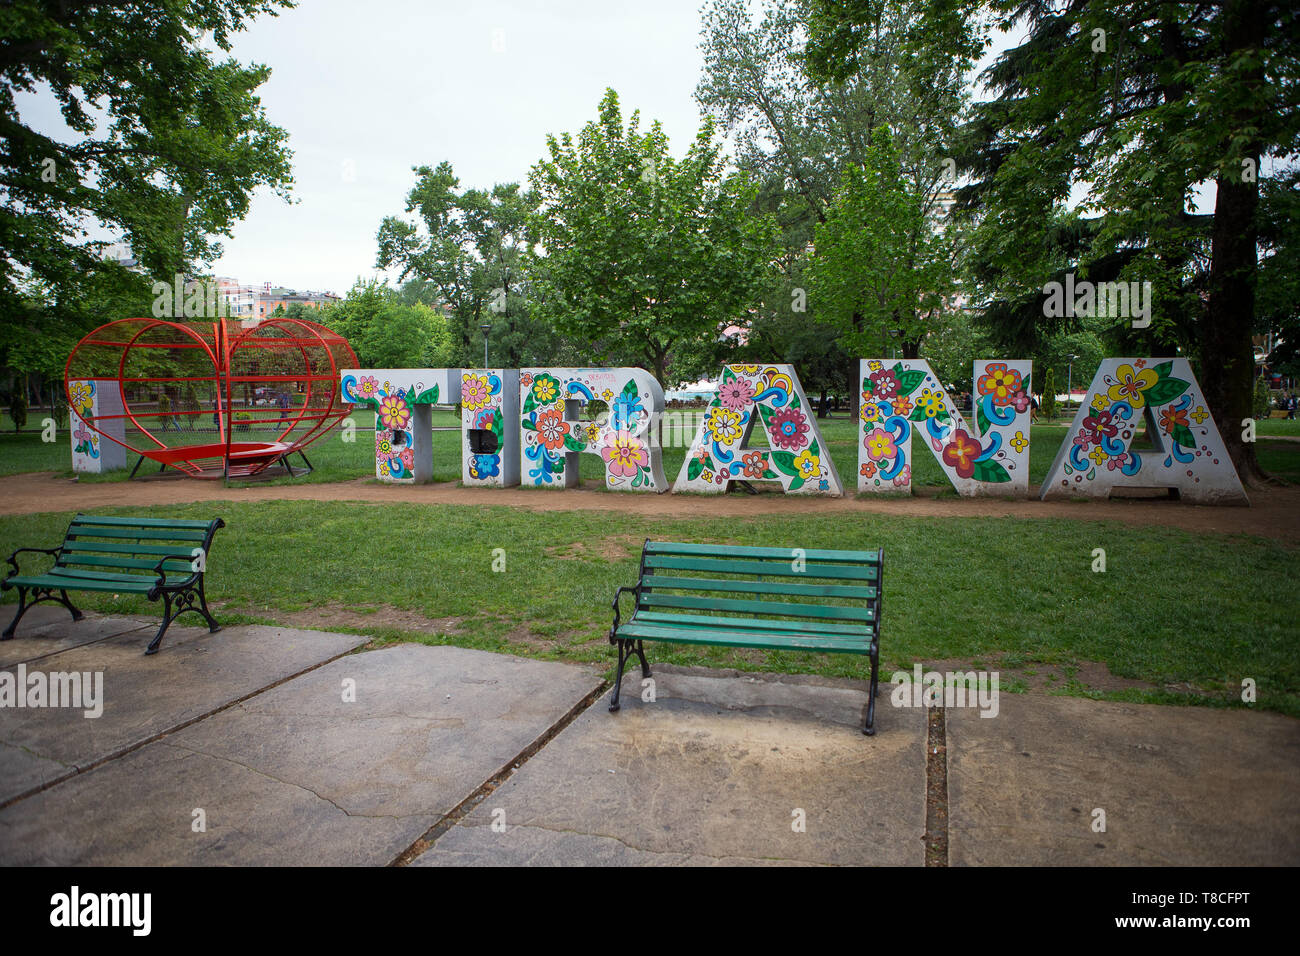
[546, 389]
[754, 465]
[1019, 443]
[789, 429]
[551, 428]
[408, 457]
[724, 425]
[485, 466]
[1172, 418]
[1000, 382]
[592, 432]
[368, 387]
[930, 402]
[868, 469]
[393, 411]
[904, 477]
[1097, 455]
[885, 383]
[383, 444]
[871, 413]
[736, 394]
[880, 445]
[1119, 461]
[526, 379]
[607, 396]
[874, 365]
[1099, 426]
[1130, 384]
[809, 465]
[961, 452]
[475, 392]
[625, 455]
[79, 392]
[1020, 401]
[903, 407]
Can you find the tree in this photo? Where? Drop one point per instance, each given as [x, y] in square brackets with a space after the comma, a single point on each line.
[882, 268]
[1136, 105]
[646, 254]
[170, 141]
[385, 333]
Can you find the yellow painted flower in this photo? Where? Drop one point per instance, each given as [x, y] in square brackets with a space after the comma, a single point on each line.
[545, 389]
[724, 425]
[1130, 384]
[607, 396]
[1099, 402]
[874, 366]
[475, 391]
[1020, 442]
[1097, 455]
[79, 392]
[809, 465]
[870, 412]
[592, 432]
[931, 402]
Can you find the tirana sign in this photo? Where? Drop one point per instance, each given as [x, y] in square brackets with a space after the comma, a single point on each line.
[535, 426]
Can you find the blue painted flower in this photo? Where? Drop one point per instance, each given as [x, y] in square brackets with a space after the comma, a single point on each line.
[485, 466]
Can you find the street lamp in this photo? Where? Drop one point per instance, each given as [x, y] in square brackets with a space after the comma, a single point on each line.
[486, 329]
[1069, 380]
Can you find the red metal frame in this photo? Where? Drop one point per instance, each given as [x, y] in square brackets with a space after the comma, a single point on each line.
[312, 355]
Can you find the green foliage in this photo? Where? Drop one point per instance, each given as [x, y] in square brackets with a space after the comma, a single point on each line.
[169, 141]
[646, 255]
[1047, 403]
[18, 408]
[385, 333]
[1263, 401]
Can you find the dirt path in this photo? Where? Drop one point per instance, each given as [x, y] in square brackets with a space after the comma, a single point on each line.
[1274, 512]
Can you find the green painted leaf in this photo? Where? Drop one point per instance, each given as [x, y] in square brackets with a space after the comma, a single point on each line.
[784, 462]
[498, 424]
[918, 414]
[1183, 435]
[530, 403]
[910, 381]
[796, 484]
[990, 471]
[1164, 369]
[693, 469]
[981, 419]
[428, 397]
[573, 443]
[1165, 391]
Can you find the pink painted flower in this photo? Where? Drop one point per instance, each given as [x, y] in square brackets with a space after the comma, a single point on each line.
[736, 394]
[393, 411]
[789, 429]
[625, 455]
[1020, 400]
[880, 445]
[1119, 461]
[368, 386]
[904, 477]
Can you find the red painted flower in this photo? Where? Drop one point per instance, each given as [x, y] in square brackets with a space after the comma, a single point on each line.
[551, 428]
[1099, 426]
[885, 383]
[960, 453]
[788, 428]
[868, 469]
[1171, 419]
[754, 466]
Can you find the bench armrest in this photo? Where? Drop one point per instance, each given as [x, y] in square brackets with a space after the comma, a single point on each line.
[618, 594]
[13, 558]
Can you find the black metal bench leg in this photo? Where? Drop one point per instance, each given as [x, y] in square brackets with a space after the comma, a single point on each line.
[640, 652]
[162, 629]
[76, 614]
[869, 728]
[623, 654]
[22, 609]
[213, 626]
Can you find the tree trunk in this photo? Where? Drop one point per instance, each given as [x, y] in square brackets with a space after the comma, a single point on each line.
[1224, 340]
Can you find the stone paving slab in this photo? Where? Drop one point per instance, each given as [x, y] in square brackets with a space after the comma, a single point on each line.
[1185, 786]
[298, 776]
[194, 673]
[711, 773]
[49, 628]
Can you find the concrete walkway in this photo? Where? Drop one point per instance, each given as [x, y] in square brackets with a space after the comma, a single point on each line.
[264, 745]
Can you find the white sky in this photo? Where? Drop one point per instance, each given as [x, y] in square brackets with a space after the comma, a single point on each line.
[368, 91]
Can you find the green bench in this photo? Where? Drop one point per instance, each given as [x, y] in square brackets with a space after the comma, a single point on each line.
[782, 598]
[156, 557]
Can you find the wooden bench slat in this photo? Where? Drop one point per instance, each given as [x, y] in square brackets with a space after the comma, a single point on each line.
[90, 584]
[698, 622]
[109, 561]
[141, 534]
[824, 611]
[857, 592]
[779, 554]
[848, 572]
[172, 576]
[791, 642]
[112, 547]
[142, 522]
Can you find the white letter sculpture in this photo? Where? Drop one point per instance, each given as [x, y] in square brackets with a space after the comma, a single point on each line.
[1186, 451]
[993, 460]
[551, 437]
[797, 457]
[489, 399]
[403, 400]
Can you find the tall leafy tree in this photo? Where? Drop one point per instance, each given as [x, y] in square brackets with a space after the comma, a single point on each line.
[646, 254]
[1132, 106]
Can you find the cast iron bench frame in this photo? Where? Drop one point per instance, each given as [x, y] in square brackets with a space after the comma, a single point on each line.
[169, 548]
[663, 613]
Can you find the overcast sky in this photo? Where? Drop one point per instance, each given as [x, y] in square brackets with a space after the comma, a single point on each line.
[368, 90]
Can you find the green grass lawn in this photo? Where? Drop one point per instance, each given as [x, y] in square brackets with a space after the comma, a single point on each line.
[1172, 608]
[337, 460]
